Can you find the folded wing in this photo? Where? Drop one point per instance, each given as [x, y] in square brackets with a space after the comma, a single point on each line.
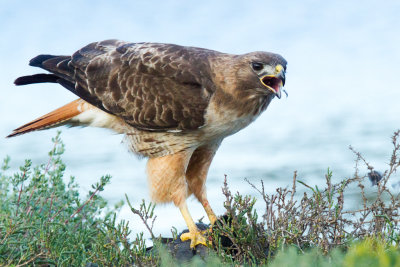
[154, 87]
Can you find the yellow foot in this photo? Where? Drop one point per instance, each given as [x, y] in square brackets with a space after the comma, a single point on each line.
[196, 239]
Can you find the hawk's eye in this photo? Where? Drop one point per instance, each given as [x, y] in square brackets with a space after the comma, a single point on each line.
[257, 66]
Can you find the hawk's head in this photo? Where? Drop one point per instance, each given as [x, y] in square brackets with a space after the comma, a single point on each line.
[249, 82]
[251, 76]
[262, 72]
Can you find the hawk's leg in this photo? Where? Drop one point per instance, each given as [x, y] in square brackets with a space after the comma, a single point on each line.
[168, 184]
[196, 176]
[166, 177]
[210, 213]
[194, 234]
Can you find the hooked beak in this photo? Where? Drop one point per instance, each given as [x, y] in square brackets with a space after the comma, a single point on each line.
[276, 81]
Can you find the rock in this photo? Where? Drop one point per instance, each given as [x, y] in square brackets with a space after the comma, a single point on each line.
[180, 250]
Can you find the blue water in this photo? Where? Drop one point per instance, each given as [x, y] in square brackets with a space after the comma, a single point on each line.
[342, 80]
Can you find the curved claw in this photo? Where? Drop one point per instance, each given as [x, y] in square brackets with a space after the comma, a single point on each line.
[196, 239]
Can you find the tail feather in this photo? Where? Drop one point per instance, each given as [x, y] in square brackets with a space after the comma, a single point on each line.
[56, 64]
[37, 78]
[52, 119]
[38, 60]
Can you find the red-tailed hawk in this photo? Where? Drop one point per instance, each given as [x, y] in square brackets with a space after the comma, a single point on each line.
[174, 104]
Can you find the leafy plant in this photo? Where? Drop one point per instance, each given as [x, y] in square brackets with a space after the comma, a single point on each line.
[44, 221]
[318, 219]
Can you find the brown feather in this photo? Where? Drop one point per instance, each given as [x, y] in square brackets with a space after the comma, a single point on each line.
[52, 119]
[152, 87]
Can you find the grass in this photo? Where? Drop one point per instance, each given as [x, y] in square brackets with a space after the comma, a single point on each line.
[45, 222]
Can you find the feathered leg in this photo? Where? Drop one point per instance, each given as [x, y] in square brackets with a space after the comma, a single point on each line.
[168, 183]
[196, 176]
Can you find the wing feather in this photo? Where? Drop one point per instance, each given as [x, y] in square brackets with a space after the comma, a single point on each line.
[155, 87]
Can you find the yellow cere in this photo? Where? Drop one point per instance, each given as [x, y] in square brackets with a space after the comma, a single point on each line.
[278, 68]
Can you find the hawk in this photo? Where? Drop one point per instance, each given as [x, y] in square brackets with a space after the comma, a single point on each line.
[174, 104]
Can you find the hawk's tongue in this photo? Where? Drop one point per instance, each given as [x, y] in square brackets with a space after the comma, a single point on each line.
[278, 88]
[278, 91]
[274, 84]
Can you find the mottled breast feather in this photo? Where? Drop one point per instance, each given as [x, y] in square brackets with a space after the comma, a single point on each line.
[153, 87]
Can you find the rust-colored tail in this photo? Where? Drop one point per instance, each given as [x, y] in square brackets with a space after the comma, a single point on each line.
[52, 119]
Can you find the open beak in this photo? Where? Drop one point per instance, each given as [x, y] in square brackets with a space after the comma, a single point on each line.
[276, 81]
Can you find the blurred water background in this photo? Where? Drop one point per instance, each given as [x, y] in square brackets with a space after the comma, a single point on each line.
[343, 83]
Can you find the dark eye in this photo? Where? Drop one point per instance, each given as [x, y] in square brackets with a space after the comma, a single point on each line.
[257, 66]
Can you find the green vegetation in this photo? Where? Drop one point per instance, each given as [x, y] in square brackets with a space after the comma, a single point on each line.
[45, 222]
